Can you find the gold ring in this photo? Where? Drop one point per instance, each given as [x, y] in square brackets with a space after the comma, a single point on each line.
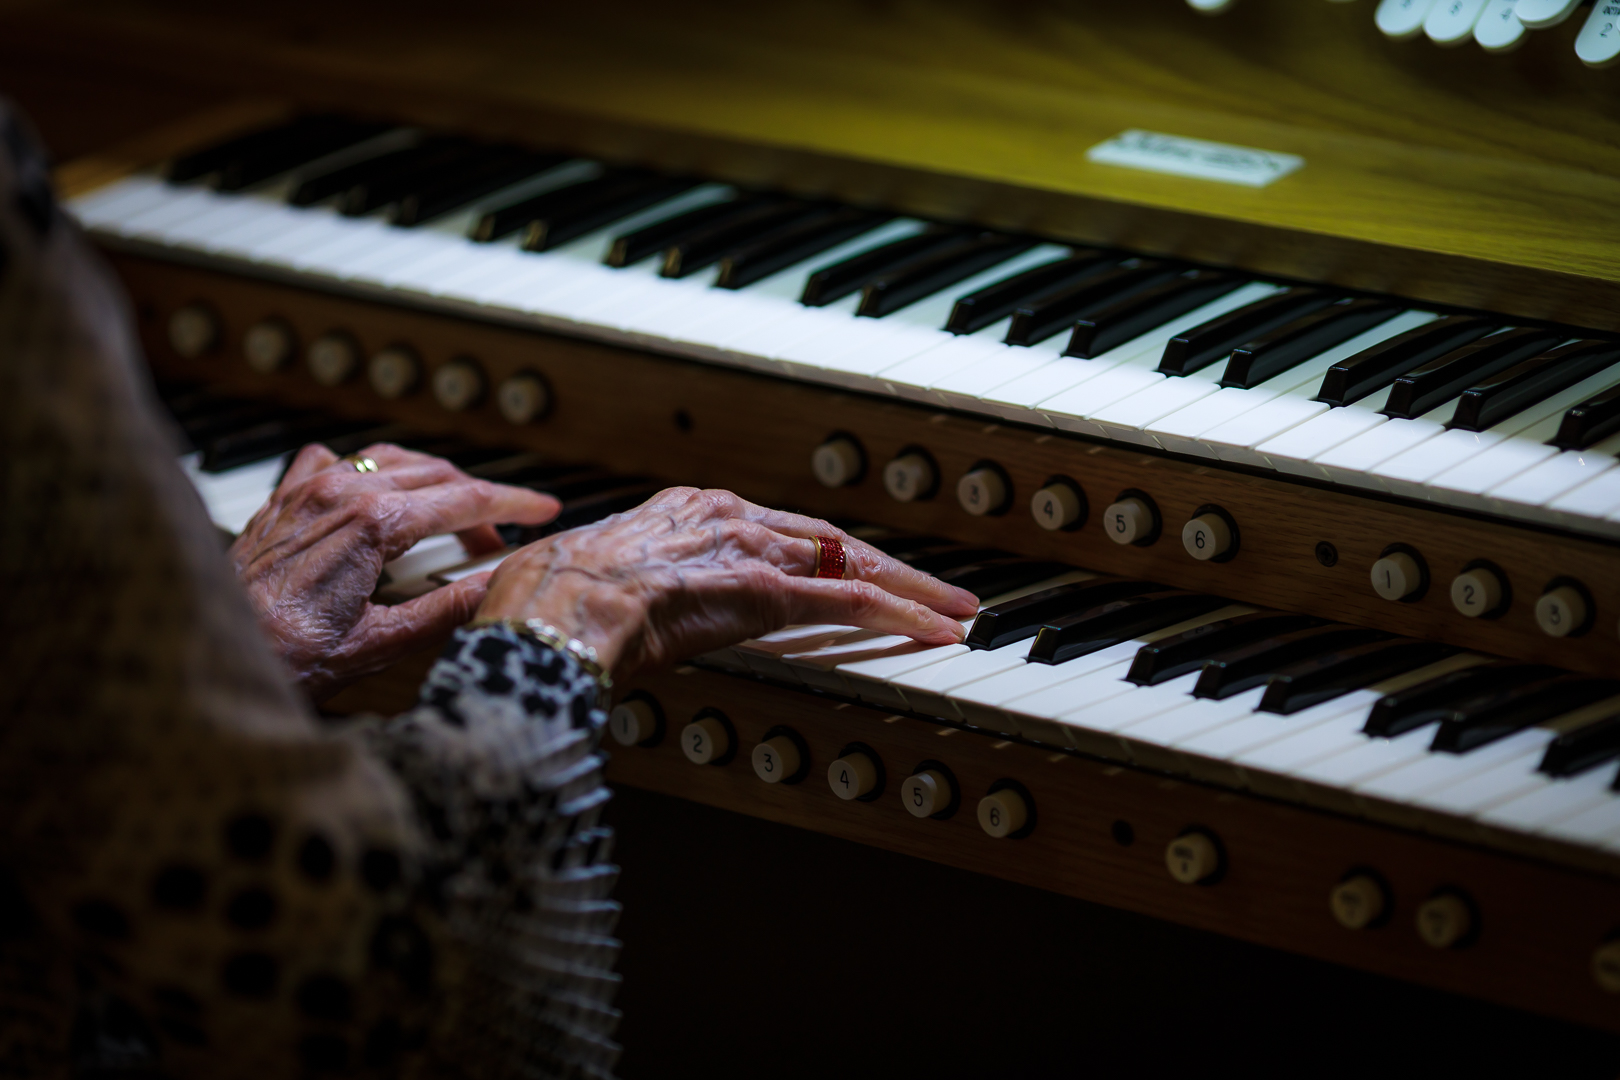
[361, 463]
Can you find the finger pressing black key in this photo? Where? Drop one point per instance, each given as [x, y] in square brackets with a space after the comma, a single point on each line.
[937, 270]
[1371, 370]
[1296, 341]
[1248, 666]
[1432, 384]
[1056, 310]
[632, 247]
[992, 303]
[1322, 678]
[1482, 720]
[765, 256]
[440, 195]
[1171, 657]
[837, 281]
[1531, 381]
[1406, 710]
[1197, 348]
[1015, 620]
[1587, 747]
[1119, 620]
[1117, 321]
[1591, 421]
[704, 248]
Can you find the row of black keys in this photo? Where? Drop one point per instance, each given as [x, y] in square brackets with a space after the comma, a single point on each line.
[1101, 298]
[1301, 661]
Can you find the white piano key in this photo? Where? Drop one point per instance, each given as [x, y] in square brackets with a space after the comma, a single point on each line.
[1597, 498]
[429, 555]
[1430, 771]
[970, 387]
[1139, 703]
[1177, 715]
[1502, 783]
[1563, 472]
[1295, 450]
[206, 231]
[1072, 409]
[1597, 824]
[1125, 419]
[915, 378]
[1407, 472]
[872, 679]
[1557, 800]
[185, 204]
[106, 206]
[1355, 461]
[1225, 742]
[929, 690]
[1372, 756]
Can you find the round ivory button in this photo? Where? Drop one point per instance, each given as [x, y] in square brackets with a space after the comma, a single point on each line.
[1128, 521]
[1056, 506]
[458, 385]
[632, 721]
[1396, 576]
[194, 330]
[852, 776]
[776, 759]
[268, 345]
[1561, 611]
[1357, 902]
[523, 398]
[1207, 536]
[837, 462]
[1443, 920]
[1606, 966]
[908, 477]
[393, 371]
[705, 741]
[982, 491]
[926, 793]
[333, 358]
[1476, 592]
[1192, 858]
[1002, 813]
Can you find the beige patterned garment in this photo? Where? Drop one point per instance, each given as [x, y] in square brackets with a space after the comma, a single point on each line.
[198, 877]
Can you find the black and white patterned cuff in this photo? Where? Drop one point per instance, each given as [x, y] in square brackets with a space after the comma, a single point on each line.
[495, 663]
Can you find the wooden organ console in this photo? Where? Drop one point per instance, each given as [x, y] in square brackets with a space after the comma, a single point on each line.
[1261, 371]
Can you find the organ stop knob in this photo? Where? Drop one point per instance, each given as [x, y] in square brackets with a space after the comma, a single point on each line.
[1397, 576]
[634, 721]
[268, 345]
[1207, 536]
[523, 398]
[1606, 966]
[776, 759]
[458, 385]
[393, 371]
[1129, 521]
[909, 477]
[1561, 611]
[1058, 505]
[926, 793]
[983, 490]
[1357, 901]
[1002, 813]
[1476, 592]
[194, 330]
[333, 358]
[838, 462]
[705, 740]
[1192, 857]
[853, 775]
[1443, 921]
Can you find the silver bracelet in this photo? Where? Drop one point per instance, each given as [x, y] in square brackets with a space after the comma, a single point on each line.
[549, 635]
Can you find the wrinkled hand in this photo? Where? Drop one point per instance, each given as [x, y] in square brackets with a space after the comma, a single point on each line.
[689, 571]
[312, 556]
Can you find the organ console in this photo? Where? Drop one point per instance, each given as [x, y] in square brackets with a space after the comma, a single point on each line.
[1260, 374]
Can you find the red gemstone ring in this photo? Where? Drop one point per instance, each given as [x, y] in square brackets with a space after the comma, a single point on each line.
[830, 559]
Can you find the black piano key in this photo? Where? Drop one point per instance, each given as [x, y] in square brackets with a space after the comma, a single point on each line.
[1119, 620]
[1530, 382]
[354, 442]
[527, 470]
[548, 207]
[1406, 710]
[211, 160]
[1248, 666]
[1587, 747]
[593, 507]
[1485, 719]
[1593, 420]
[1436, 382]
[994, 578]
[996, 301]
[705, 247]
[1056, 310]
[310, 141]
[837, 281]
[953, 558]
[334, 182]
[502, 168]
[1322, 678]
[1114, 323]
[1018, 619]
[632, 247]
[257, 442]
[803, 239]
[1195, 349]
[937, 270]
[1309, 335]
[205, 425]
[1174, 656]
[906, 545]
[1370, 370]
[454, 160]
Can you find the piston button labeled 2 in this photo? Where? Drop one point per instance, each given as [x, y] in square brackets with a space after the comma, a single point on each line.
[705, 740]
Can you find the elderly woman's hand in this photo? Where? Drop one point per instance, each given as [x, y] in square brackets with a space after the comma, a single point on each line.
[312, 556]
[689, 571]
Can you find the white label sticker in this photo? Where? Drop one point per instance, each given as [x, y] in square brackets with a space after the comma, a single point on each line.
[1194, 157]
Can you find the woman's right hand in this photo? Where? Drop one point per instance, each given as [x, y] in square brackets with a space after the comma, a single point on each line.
[689, 571]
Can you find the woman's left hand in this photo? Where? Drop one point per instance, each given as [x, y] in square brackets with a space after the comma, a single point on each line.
[312, 556]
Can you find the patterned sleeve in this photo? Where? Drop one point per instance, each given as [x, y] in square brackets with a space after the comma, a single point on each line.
[199, 877]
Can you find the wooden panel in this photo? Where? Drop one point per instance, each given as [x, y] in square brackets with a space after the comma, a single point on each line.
[702, 425]
[1451, 176]
[1538, 925]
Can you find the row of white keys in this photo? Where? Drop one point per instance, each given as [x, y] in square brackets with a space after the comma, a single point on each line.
[1535, 492]
[232, 497]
